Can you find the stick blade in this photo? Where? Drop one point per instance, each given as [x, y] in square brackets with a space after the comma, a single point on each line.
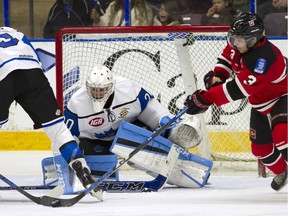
[56, 192]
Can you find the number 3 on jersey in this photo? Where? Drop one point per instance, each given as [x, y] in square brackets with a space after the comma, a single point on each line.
[251, 80]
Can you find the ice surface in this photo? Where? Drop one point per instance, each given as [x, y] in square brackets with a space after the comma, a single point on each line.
[230, 194]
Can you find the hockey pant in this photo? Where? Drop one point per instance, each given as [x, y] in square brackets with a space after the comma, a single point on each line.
[190, 170]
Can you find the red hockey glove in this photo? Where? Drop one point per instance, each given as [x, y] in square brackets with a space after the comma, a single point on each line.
[196, 103]
[211, 79]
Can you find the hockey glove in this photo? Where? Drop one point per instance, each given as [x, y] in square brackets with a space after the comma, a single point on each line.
[196, 103]
[212, 79]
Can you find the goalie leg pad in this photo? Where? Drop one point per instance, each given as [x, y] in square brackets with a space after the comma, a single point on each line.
[56, 171]
[66, 176]
[49, 173]
[100, 164]
[189, 171]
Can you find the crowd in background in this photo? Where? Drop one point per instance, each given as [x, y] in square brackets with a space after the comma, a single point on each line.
[66, 13]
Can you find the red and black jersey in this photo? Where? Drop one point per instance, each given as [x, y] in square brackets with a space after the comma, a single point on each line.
[260, 75]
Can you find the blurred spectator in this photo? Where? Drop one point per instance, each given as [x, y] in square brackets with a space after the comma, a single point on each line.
[98, 9]
[221, 13]
[101, 5]
[66, 13]
[141, 14]
[186, 6]
[280, 4]
[241, 6]
[168, 14]
[276, 24]
[273, 6]
[190, 6]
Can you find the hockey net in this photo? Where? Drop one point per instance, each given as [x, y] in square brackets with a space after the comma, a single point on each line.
[162, 60]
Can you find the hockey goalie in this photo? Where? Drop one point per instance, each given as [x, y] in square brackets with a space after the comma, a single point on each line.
[189, 170]
[109, 109]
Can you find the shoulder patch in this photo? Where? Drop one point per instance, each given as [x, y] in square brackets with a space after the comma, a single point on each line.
[261, 65]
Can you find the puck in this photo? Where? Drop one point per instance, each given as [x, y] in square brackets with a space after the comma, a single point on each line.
[56, 203]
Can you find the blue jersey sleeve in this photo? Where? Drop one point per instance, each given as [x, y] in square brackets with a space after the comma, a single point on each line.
[144, 98]
[71, 120]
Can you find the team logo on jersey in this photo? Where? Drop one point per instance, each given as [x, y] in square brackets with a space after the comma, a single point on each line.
[96, 122]
[123, 113]
[252, 133]
[260, 66]
[58, 112]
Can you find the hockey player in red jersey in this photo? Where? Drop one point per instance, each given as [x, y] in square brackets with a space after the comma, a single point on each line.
[260, 72]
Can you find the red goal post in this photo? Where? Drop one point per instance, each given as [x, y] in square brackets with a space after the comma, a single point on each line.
[165, 61]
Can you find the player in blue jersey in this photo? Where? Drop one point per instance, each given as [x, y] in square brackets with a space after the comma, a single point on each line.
[22, 80]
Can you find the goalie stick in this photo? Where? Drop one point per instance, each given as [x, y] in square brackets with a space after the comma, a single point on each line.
[108, 186]
[51, 201]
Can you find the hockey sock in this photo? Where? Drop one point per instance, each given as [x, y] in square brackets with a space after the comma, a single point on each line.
[270, 156]
[279, 134]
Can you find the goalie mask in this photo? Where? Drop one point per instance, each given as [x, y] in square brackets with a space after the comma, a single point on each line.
[100, 85]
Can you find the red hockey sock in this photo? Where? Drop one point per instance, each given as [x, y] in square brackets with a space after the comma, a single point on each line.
[270, 156]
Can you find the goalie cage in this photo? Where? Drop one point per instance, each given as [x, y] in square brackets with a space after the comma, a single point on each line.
[163, 60]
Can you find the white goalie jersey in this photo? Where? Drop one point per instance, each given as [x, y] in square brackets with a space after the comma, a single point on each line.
[12, 43]
[130, 102]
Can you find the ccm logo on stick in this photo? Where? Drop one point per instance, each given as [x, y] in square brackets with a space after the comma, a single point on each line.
[96, 122]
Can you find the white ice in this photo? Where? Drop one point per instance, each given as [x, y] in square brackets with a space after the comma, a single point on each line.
[230, 194]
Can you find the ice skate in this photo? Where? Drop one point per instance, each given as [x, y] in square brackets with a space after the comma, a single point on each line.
[86, 179]
[279, 181]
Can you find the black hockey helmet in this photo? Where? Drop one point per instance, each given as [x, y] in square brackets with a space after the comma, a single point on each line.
[247, 25]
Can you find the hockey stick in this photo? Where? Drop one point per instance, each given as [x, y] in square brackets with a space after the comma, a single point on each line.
[108, 186]
[57, 202]
[56, 192]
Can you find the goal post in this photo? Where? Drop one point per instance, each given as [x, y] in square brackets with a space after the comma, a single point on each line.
[157, 59]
